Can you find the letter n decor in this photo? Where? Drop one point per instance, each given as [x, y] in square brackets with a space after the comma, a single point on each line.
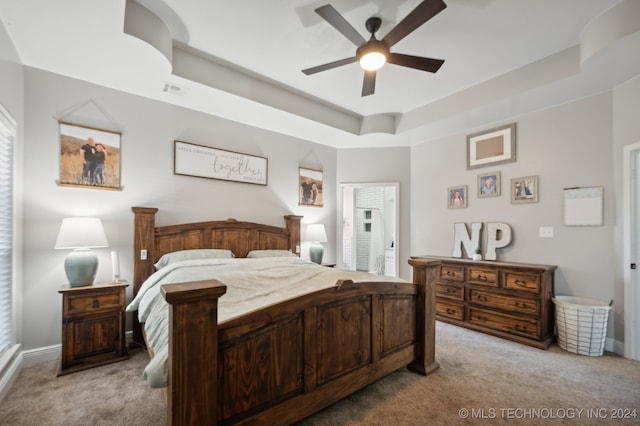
[203, 161]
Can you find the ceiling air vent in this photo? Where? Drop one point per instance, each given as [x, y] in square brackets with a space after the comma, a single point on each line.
[174, 89]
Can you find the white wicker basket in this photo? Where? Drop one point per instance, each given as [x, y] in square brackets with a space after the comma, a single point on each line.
[581, 324]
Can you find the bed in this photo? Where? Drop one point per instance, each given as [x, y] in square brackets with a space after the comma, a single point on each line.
[286, 360]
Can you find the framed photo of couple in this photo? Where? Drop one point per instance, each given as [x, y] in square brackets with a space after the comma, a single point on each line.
[89, 157]
[310, 189]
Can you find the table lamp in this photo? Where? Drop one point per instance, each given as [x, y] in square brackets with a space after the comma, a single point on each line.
[316, 235]
[81, 234]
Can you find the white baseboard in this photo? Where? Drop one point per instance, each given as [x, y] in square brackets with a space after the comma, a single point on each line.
[11, 363]
[19, 359]
[38, 355]
[614, 346]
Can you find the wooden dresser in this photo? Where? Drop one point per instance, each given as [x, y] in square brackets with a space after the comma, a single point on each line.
[508, 300]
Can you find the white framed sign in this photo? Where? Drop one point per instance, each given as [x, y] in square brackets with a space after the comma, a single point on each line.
[583, 206]
[206, 162]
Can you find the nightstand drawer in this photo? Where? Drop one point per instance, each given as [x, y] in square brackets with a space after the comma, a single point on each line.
[105, 301]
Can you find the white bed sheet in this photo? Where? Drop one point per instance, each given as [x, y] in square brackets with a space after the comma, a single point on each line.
[251, 285]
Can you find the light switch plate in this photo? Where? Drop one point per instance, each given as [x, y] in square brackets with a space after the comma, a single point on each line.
[546, 232]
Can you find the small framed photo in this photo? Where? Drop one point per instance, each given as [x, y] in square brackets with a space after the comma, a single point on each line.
[310, 187]
[457, 197]
[489, 185]
[491, 147]
[524, 190]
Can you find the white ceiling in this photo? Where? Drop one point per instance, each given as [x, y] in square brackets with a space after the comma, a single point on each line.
[242, 60]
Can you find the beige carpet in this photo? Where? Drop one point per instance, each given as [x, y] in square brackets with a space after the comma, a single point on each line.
[482, 380]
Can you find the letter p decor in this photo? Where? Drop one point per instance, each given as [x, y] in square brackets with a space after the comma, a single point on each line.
[498, 236]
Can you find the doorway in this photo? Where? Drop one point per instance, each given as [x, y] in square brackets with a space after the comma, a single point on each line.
[631, 238]
[369, 228]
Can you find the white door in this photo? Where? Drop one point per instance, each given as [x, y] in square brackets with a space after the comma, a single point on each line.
[348, 213]
[631, 200]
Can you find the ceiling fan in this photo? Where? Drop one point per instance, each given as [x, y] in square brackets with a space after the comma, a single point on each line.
[373, 54]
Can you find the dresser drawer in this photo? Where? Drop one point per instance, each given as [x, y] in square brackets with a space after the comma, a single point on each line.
[450, 310]
[500, 301]
[75, 304]
[521, 281]
[503, 322]
[450, 291]
[451, 273]
[483, 276]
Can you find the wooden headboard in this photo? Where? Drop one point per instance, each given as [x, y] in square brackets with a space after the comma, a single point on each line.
[230, 234]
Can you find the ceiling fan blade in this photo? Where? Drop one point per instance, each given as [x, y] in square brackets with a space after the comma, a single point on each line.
[418, 16]
[338, 22]
[329, 66]
[417, 62]
[369, 83]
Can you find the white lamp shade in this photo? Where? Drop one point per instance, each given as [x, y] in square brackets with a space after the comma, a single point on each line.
[316, 233]
[81, 232]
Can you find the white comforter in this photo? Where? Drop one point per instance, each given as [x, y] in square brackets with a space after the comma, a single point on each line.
[251, 284]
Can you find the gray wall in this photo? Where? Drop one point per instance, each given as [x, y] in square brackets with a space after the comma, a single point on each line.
[148, 131]
[565, 146]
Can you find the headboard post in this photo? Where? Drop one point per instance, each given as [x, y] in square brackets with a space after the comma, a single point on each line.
[143, 239]
[293, 225]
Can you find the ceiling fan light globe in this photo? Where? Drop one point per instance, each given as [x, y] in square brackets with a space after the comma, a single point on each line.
[373, 61]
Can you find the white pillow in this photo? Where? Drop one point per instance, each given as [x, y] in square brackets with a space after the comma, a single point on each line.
[256, 254]
[177, 256]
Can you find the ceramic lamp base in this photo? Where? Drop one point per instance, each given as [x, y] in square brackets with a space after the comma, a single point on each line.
[81, 266]
[315, 252]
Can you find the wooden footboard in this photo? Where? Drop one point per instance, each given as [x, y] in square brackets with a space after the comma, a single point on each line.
[285, 362]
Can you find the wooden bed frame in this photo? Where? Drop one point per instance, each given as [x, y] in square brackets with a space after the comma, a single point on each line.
[289, 360]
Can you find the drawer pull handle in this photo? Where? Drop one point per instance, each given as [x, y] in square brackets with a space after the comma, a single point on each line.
[521, 305]
[450, 290]
[482, 277]
[451, 311]
[482, 318]
[96, 304]
[520, 328]
[522, 283]
[451, 274]
[482, 298]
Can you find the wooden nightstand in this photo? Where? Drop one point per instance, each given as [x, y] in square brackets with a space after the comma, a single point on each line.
[93, 322]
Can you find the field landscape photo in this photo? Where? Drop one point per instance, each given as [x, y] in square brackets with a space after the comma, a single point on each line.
[72, 138]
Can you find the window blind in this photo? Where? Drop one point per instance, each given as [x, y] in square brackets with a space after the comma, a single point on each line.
[7, 133]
